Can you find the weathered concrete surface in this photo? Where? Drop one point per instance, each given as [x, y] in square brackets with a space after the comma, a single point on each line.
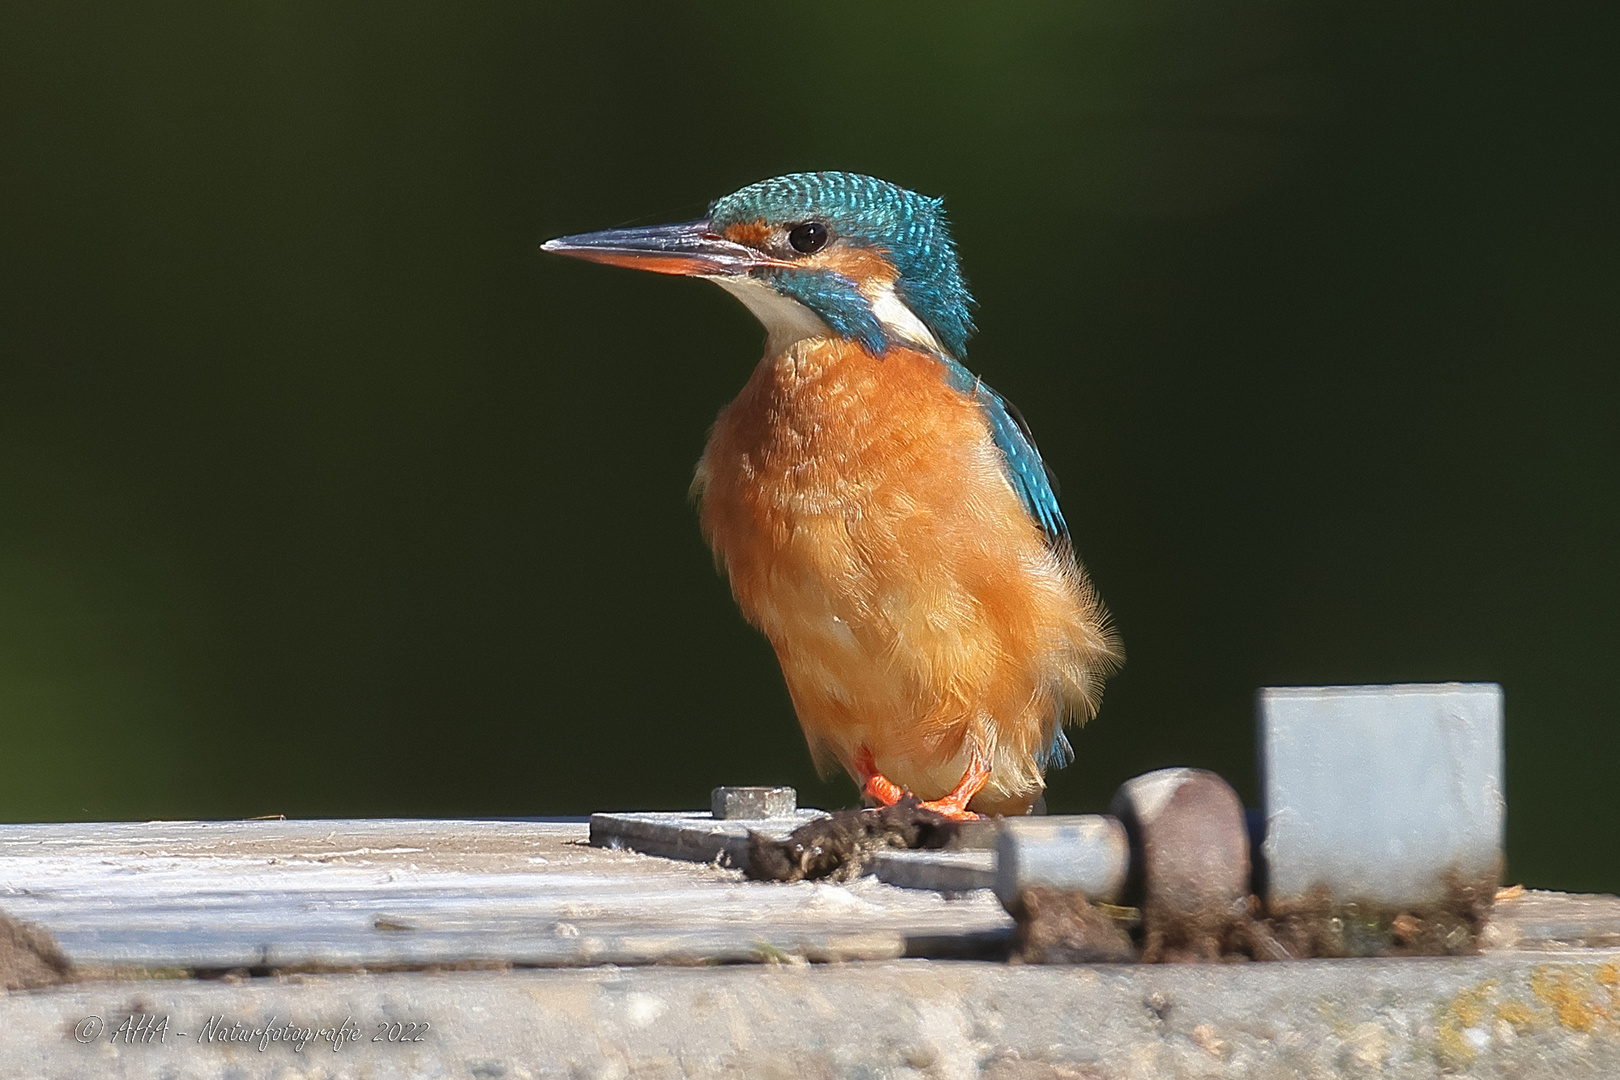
[159, 895]
[1544, 1017]
[385, 894]
[1531, 919]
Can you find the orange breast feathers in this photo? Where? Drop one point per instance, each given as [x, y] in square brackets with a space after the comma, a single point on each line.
[862, 513]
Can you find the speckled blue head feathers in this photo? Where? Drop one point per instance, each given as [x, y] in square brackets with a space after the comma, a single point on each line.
[858, 214]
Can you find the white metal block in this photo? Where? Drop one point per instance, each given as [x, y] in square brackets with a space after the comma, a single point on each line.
[1389, 796]
[1087, 854]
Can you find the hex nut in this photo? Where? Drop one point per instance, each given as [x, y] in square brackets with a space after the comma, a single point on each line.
[752, 803]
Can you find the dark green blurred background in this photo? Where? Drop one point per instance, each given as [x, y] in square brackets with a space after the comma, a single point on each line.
[323, 493]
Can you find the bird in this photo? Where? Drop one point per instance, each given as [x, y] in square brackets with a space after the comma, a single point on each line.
[881, 514]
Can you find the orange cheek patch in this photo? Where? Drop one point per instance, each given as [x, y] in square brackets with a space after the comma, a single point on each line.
[753, 233]
[858, 264]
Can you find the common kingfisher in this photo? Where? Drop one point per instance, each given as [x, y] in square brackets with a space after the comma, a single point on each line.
[882, 515]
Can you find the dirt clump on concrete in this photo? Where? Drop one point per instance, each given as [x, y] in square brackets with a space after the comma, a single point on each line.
[1060, 927]
[30, 958]
[1054, 927]
[1318, 926]
[837, 847]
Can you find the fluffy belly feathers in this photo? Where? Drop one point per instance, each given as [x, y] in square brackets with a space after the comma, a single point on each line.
[860, 510]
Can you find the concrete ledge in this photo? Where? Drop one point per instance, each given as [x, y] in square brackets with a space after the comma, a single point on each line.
[1542, 1017]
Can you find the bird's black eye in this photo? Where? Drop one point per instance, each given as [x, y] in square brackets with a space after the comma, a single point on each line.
[808, 238]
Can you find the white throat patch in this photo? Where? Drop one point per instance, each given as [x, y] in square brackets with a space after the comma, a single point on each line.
[787, 321]
[898, 320]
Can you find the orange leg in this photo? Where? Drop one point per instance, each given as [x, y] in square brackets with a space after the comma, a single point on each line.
[874, 783]
[954, 804]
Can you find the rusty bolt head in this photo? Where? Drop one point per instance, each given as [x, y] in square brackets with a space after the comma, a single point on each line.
[1189, 858]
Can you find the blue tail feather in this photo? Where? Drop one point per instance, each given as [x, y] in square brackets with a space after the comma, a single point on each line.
[1060, 755]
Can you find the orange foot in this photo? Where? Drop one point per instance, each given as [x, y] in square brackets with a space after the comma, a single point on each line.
[873, 783]
[953, 805]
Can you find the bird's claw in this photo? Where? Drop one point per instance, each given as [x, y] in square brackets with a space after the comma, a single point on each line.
[949, 809]
[885, 791]
[874, 785]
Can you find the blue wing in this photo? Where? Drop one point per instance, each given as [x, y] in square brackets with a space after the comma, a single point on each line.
[1034, 482]
[1037, 489]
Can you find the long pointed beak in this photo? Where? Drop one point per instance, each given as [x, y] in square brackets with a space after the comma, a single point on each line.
[687, 248]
